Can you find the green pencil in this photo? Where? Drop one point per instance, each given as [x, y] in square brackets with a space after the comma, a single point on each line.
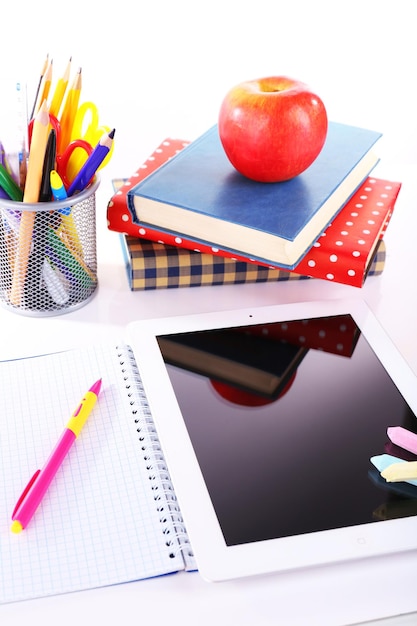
[9, 185]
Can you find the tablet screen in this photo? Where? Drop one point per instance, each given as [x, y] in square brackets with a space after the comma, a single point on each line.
[283, 419]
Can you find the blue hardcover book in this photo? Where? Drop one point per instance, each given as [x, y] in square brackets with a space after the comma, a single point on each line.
[198, 194]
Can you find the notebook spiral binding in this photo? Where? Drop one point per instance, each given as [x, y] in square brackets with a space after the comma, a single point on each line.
[172, 523]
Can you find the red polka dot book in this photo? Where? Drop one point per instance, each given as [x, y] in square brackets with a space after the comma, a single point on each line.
[350, 248]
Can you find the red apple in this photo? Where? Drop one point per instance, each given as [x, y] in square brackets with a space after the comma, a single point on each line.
[272, 129]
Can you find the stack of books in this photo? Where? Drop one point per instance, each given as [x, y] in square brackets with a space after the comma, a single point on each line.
[187, 218]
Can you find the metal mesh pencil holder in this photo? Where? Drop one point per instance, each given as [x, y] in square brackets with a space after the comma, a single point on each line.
[48, 254]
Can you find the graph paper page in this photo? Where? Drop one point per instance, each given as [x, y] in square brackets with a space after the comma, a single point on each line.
[98, 523]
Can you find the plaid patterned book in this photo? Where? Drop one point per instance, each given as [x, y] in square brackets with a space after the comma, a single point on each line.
[152, 265]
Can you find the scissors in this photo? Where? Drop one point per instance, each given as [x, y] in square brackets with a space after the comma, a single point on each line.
[87, 128]
[65, 165]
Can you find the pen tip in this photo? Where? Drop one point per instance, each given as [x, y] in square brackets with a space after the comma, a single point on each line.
[96, 387]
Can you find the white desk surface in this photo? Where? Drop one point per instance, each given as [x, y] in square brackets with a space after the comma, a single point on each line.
[354, 593]
[158, 88]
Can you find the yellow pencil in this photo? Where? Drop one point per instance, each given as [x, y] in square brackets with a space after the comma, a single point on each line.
[31, 195]
[45, 87]
[59, 92]
[43, 70]
[69, 112]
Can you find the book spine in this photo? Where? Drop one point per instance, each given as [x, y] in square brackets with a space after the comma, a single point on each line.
[173, 530]
[151, 265]
[341, 254]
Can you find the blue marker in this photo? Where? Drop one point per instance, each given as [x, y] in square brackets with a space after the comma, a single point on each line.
[58, 190]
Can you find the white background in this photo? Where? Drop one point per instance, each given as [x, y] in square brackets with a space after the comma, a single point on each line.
[160, 69]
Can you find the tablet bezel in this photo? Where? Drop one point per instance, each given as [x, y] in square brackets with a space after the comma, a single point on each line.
[216, 561]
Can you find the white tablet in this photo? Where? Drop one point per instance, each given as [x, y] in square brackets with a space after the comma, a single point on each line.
[268, 419]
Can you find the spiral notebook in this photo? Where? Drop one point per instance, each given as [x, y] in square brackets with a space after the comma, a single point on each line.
[110, 515]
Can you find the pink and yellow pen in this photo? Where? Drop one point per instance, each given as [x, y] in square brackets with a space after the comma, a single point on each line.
[40, 481]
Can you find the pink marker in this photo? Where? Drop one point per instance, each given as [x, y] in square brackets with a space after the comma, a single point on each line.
[40, 481]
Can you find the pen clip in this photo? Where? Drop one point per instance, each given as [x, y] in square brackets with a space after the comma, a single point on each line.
[25, 492]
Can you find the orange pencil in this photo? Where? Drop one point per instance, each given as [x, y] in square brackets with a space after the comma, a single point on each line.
[69, 112]
[31, 195]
